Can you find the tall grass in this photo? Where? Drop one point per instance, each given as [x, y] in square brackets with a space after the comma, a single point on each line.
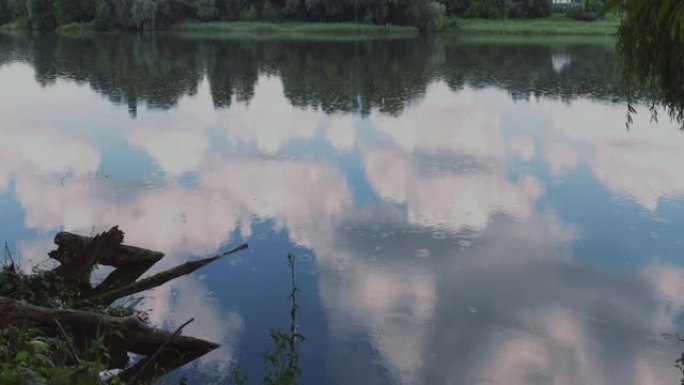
[555, 25]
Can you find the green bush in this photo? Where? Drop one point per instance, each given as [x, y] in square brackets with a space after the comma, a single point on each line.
[436, 16]
[28, 356]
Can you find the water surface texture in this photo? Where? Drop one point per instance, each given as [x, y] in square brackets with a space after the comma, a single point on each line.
[463, 211]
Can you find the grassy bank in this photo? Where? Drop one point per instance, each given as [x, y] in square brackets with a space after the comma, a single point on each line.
[266, 27]
[552, 26]
[555, 25]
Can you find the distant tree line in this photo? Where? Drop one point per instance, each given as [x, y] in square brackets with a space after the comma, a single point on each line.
[154, 14]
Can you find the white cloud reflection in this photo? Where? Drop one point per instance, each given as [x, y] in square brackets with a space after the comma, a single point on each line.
[506, 305]
[640, 164]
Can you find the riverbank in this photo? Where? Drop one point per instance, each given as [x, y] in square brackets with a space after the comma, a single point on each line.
[551, 26]
[554, 25]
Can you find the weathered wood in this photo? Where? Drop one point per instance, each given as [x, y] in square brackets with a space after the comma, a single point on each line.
[166, 361]
[79, 265]
[125, 255]
[147, 369]
[159, 278]
[72, 350]
[139, 337]
[122, 276]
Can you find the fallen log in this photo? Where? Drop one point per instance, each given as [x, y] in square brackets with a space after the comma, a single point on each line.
[122, 276]
[153, 365]
[79, 265]
[139, 338]
[123, 255]
[77, 256]
[158, 279]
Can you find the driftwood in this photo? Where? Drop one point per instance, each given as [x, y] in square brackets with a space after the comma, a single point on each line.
[78, 255]
[169, 351]
[139, 337]
[159, 279]
[122, 255]
[79, 265]
[155, 363]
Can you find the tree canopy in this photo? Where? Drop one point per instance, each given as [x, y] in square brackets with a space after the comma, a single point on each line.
[651, 41]
[154, 14]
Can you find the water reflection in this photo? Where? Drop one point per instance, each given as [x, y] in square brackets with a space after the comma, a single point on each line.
[344, 76]
[465, 203]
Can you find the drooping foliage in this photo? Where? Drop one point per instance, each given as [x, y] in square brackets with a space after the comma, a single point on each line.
[651, 41]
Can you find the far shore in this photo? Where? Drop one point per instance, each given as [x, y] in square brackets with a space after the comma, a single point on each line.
[551, 26]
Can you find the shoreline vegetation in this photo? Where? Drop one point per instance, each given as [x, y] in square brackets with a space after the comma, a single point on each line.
[342, 17]
[550, 26]
[553, 25]
[291, 27]
[58, 327]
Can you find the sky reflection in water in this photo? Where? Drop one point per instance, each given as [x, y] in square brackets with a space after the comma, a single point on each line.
[449, 232]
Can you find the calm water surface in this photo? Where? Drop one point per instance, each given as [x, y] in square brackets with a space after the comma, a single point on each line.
[464, 211]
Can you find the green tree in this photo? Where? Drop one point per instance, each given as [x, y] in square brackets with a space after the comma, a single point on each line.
[5, 11]
[41, 14]
[145, 14]
[103, 17]
[456, 7]
[651, 42]
[528, 8]
[70, 11]
[18, 9]
[488, 9]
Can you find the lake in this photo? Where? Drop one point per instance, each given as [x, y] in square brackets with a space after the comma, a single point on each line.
[463, 210]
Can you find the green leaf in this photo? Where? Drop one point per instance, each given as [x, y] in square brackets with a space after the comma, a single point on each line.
[21, 356]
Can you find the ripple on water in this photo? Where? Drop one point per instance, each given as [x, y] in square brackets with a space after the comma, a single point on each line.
[438, 235]
[464, 243]
[422, 253]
